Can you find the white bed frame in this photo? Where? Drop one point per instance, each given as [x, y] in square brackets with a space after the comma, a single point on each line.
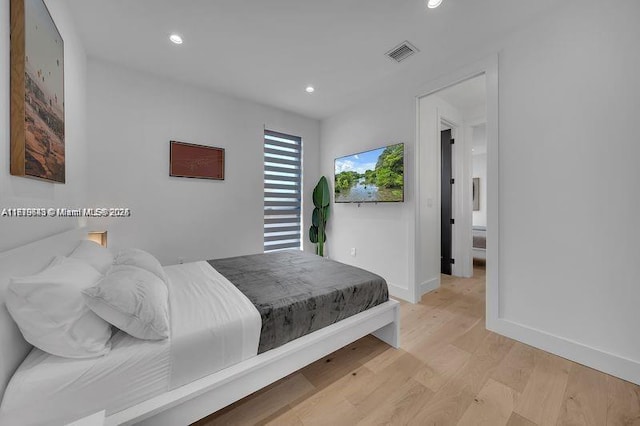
[205, 396]
[479, 253]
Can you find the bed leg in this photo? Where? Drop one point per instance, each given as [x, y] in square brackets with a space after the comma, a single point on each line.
[390, 333]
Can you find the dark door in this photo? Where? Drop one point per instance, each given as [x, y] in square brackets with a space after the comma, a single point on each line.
[446, 198]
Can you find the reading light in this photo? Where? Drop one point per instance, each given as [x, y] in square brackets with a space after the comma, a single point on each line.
[310, 89]
[99, 237]
[175, 38]
[432, 4]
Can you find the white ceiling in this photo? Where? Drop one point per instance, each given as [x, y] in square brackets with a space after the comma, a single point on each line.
[269, 51]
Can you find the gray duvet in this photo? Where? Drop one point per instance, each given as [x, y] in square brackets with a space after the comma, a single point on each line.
[297, 293]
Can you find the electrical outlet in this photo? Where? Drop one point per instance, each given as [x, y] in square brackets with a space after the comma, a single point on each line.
[353, 251]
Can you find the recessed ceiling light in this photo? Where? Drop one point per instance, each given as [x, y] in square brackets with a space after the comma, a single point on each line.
[310, 89]
[432, 4]
[175, 38]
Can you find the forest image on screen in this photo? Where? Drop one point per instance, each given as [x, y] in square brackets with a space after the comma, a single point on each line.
[371, 176]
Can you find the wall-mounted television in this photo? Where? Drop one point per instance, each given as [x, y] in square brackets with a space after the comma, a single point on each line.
[375, 176]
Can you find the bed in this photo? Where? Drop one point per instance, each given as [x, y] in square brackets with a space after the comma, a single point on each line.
[231, 334]
[479, 242]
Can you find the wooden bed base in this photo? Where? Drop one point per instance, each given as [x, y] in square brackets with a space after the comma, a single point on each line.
[205, 396]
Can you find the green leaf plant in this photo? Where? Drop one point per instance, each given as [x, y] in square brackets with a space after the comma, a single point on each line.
[321, 201]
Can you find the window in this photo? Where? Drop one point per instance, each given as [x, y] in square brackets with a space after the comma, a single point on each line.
[282, 191]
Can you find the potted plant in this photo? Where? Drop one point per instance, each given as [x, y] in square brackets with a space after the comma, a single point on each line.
[321, 201]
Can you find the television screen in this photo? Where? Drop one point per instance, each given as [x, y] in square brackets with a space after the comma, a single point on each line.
[374, 176]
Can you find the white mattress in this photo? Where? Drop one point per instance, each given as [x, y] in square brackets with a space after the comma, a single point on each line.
[47, 389]
[213, 325]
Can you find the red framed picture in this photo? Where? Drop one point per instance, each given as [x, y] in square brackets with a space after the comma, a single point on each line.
[196, 161]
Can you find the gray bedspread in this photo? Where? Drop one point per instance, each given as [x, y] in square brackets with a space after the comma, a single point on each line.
[479, 241]
[297, 293]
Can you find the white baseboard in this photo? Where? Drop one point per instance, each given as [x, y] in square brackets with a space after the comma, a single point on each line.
[401, 293]
[408, 296]
[430, 285]
[609, 363]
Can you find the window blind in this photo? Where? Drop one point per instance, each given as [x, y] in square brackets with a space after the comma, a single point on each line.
[282, 191]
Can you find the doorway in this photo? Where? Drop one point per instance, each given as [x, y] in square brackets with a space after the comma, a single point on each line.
[445, 190]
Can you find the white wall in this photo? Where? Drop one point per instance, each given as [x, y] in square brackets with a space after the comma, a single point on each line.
[569, 241]
[132, 118]
[380, 233]
[568, 196]
[18, 192]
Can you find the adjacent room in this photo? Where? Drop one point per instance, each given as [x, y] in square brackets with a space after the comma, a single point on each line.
[413, 212]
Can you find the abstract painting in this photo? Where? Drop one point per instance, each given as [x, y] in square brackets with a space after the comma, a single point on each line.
[37, 93]
[196, 161]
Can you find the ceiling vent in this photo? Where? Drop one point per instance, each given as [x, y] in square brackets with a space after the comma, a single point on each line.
[402, 51]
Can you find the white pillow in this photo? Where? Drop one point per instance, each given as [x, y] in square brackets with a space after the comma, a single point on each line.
[94, 254]
[141, 259]
[51, 314]
[134, 300]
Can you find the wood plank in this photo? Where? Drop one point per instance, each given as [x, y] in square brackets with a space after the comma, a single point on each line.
[439, 369]
[470, 340]
[467, 306]
[491, 407]
[475, 373]
[438, 297]
[260, 407]
[518, 420]
[517, 366]
[446, 407]
[424, 321]
[334, 411]
[370, 395]
[286, 417]
[379, 351]
[451, 401]
[542, 397]
[330, 405]
[383, 359]
[399, 406]
[428, 345]
[623, 406]
[341, 363]
[583, 403]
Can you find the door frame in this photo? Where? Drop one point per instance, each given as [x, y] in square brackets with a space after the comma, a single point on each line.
[488, 67]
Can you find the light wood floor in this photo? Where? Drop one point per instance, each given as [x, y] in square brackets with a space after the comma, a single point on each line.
[450, 371]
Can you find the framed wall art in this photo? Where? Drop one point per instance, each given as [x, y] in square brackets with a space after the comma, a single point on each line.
[196, 161]
[37, 93]
[476, 194]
